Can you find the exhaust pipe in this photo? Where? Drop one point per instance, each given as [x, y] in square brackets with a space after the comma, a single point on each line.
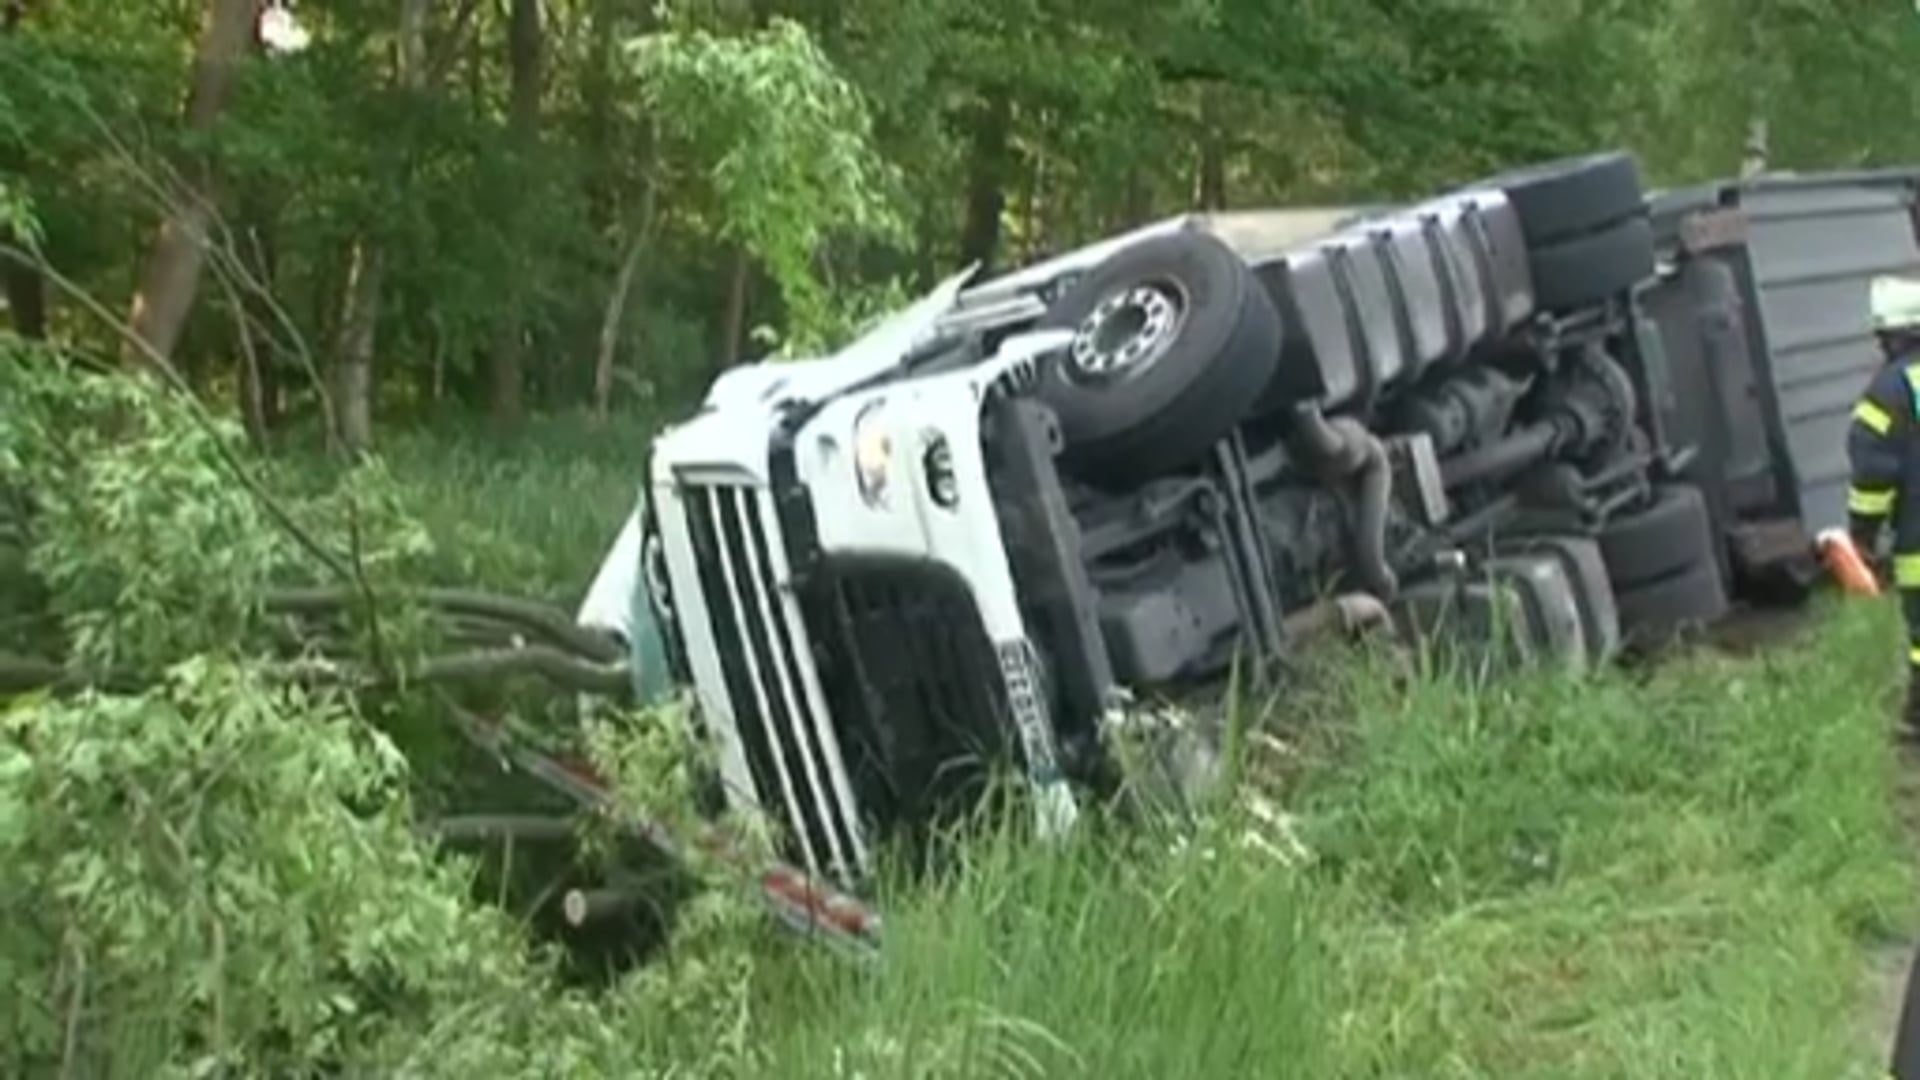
[1346, 452]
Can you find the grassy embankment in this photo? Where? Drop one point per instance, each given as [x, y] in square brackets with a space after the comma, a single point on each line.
[1667, 873]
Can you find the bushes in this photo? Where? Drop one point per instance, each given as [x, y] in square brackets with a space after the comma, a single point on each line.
[222, 872]
[209, 868]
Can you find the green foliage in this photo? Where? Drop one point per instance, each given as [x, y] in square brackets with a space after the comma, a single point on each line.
[18, 221]
[221, 873]
[148, 550]
[224, 872]
[845, 146]
[785, 143]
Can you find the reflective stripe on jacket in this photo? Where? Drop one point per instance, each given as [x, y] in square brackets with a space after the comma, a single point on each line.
[1883, 448]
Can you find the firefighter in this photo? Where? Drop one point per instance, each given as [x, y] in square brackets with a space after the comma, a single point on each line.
[1883, 447]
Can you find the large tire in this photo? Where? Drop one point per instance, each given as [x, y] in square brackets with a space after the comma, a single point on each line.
[1559, 200]
[1655, 614]
[1174, 342]
[1586, 571]
[1671, 535]
[1588, 269]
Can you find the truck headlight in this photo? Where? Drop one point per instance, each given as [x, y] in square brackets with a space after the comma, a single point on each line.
[872, 453]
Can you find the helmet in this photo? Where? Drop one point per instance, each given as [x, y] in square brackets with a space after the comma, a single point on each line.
[1896, 304]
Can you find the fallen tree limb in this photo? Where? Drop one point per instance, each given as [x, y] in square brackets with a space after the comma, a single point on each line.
[20, 674]
[554, 665]
[24, 674]
[583, 906]
[501, 826]
[543, 660]
[542, 620]
[808, 905]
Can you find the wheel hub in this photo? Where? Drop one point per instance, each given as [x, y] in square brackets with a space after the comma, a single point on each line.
[1127, 331]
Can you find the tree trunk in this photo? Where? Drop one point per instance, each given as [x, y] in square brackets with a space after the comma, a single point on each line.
[610, 332]
[1213, 154]
[354, 377]
[524, 47]
[1756, 150]
[987, 180]
[171, 275]
[272, 389]
[617, 310]
[1139, 202]
[736, 324]
[353, 370]
[251, 384]
[26, 299]
[1033, 209]
[596, 87]
[26, 292]
[926, 260]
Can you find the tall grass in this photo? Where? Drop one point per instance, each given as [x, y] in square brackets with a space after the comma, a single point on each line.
[1666, 875]
[529, 512]
[1675, 874]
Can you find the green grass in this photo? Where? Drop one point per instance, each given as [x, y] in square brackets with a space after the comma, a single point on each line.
[1677, 874]
[529, 513]
[544, 505]
[1616, 877]
[1637, 874]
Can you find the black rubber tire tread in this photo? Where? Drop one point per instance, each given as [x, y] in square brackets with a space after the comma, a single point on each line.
[1564, 199]
[1212, 374]
[1671, 535]
[1655, 614]
[1586, 270]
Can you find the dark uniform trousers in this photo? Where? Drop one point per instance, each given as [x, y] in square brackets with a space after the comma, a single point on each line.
[1883, 447]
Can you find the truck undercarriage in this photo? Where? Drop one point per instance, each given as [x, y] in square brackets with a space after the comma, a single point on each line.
[1017, 511]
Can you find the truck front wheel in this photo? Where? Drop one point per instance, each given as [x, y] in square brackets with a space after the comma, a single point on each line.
[1173, 342]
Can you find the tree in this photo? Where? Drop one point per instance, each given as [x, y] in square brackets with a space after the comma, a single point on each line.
[171, 275]
[784, 146]
[354, 371]
[25, 292]
[525, 46]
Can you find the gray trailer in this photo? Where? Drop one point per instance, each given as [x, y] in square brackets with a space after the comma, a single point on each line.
[1762, 314]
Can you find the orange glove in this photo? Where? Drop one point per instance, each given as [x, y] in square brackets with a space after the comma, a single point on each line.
[1845, 562]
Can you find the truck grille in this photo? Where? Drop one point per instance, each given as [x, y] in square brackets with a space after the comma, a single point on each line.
[786, 736]
[914, 684]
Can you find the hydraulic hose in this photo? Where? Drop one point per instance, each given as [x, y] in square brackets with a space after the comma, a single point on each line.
[1345, 451]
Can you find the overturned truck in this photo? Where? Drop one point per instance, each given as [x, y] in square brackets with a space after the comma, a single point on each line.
[985, 531]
